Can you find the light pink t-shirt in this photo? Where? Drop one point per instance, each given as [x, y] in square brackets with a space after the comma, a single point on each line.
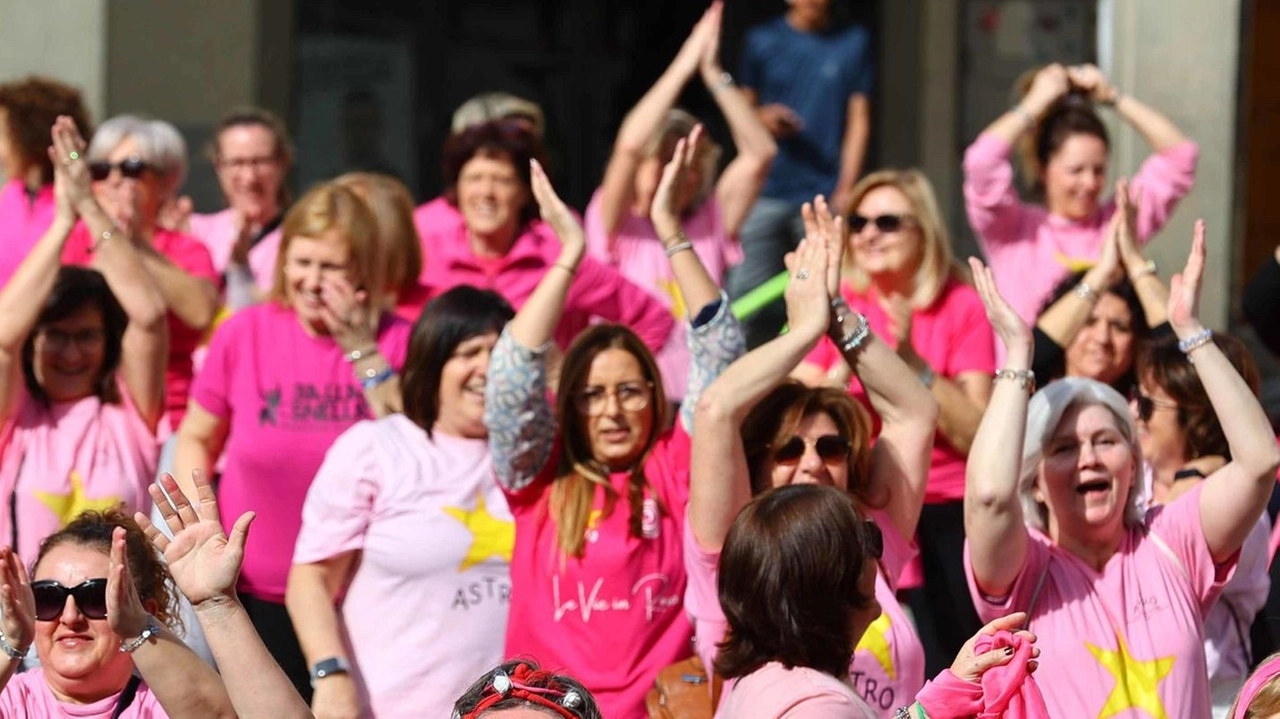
[27, 696]
[1128, 639]
[219, 232]
[636, 251]
[888, 663]
[285, 396]
[954, 337]
[69, 457]
[612, 619]
[1030, 250]
[775, 692]
[426, 612]
[23, 221]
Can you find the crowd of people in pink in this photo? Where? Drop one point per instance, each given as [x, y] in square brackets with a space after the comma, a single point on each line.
[347, 456]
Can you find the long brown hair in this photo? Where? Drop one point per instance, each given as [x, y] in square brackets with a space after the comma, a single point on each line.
[578, 472]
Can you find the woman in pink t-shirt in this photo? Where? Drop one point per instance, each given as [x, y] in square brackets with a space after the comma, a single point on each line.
[82, 356]
[407, 505]
[901, 275]
[1066, 153]
[1118, 596]
[598, 487]
[97, 607]
[772, 433]
[283, 380]
[711, 209]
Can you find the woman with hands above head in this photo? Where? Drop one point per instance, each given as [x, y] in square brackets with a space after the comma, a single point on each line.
[1055, 527]
[711, 209]
[757, 430]
[1065, 155]
[597, 485]
[283, 379]
[82, 368]
[96, 607]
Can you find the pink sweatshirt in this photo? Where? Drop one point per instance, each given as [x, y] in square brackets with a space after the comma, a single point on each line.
[23, 220]
[1029, 249]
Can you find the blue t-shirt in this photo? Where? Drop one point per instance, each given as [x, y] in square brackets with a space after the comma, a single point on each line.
[814, 74]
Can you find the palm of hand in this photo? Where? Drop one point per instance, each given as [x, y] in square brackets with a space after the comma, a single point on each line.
[202, 562]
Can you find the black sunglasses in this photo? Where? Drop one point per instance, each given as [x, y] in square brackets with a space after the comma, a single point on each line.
[884, 223]
[51, 598]
[873, 539]
[830, 447]
[1147, 405]
[131, 167]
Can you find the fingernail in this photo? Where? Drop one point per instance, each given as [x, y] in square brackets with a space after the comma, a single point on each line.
[1008, 651]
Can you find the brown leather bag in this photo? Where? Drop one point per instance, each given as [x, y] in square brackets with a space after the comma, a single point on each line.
[681, 691]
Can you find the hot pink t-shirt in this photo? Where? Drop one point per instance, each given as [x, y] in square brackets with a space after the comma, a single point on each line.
[191, 257]
[286, 396]
[888, 662]
[23, 221]
[1030, 250]
[953, 336]
[1127, 641]
[636, 251]
[60, 460]
[219, 232]
[613, 618]
[775, 692]
[426, 612]
[27, 696]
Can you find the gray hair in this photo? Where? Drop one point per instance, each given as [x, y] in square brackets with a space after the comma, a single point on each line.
[1043, 417]
[159, 145]
[490, 106]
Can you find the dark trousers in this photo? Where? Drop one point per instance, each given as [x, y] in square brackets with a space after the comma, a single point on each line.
[276, 629]
[943, 609]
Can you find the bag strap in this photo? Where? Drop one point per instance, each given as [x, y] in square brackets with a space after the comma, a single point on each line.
[1035, 594]
[126, 696]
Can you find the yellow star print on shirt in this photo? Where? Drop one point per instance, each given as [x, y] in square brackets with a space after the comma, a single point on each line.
[490, 536]
[69, 506]
[876, 641]
[1136, 681]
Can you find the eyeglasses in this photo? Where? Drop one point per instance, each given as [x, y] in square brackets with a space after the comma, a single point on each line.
[1147, 405]
[632, 397]
[830, 447]
[884, 223]
[57, 340]
[131, 167]
[245, 163]
[872, 539]
[51, 598]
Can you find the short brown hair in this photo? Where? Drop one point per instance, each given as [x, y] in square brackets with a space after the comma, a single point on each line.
[255, 117]
[499, 139]
[788, 584]
[329, 209]
[33, 104]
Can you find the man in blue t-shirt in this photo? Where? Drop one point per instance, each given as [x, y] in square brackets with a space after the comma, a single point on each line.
[809, 82]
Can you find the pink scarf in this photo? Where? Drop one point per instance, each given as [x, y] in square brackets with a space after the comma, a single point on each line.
[1007, 691]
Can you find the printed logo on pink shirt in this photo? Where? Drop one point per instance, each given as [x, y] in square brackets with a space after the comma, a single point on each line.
[646, 593]
[650, 519]
[313, 405]
[875, 641]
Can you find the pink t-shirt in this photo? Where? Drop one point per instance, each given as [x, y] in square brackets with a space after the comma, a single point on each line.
[775, 692]
[888, 662]
[636, 251]
[598, 291]
[1030, 250]
[286, 396]
[60, 460]
[426, 612]
[219, 232]
[1128, 639]
[953, 336]
[27, 696]
[191, 257]
[23, 221]
[613, 618]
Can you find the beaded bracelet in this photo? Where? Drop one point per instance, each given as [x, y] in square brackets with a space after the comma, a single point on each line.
[151, 630]
[1195, 341]
[7, 648]
[374, 377]
[1024, 377]
[855, 339]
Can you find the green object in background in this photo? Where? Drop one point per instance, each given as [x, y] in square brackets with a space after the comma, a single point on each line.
[759, 298]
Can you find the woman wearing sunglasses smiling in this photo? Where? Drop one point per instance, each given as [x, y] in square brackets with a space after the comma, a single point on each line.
[756, 431]
[96, 608]
[900, 274]
[598, 488]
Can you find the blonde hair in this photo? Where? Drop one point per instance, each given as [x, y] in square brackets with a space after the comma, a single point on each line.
[937, 261]
[332, 211]
[490, 106]
[678, 124]
[392, 207]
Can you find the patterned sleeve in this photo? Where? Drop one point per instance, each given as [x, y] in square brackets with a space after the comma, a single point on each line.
[714, 344]
[522, 428]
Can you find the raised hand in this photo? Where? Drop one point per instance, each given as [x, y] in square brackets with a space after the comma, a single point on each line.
[204, 560]
[1126, 217]
[1092, 81]
[1184, 289]
[690, 55]
[17, 605]
[175, 214]
[709, 61]
[897, 309]
[349, 315]
[1049, 85]
[807, 300]
[125, 613]
[73, 188]
[557, 214]
[830, 231]
[663, 211]
[1009, 327]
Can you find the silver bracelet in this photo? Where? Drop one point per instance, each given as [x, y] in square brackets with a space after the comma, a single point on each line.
[357, 355]
[1024, 377]
[681, 246]
[7, 648]
[1027, 118]
[855, 339]
[151, 630]
[1195, 342]
[1085, 292]
[106, 235]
